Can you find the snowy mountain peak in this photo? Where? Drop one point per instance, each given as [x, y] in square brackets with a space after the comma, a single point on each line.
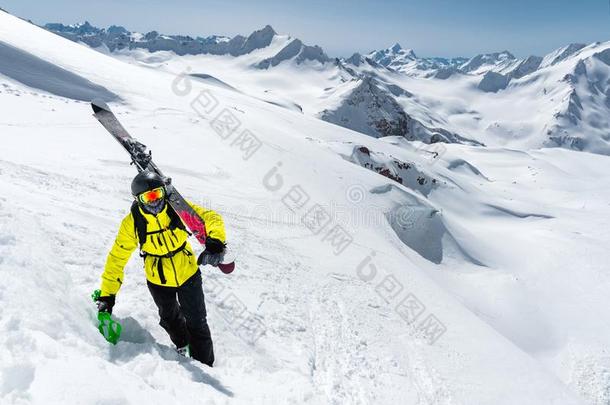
[396, 47]
[297, 51]
[561, 54]
[370, 106]
[394, 57]
[78, 28]
[525, 67]
[258, 39]
[488, 61]
[356, 59]
[410, 53]
[85, 26]
[268, 30]
[263, 35]
[395, 51]
[117, 30]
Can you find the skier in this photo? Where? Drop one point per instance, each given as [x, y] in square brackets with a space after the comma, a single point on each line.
[172, 274]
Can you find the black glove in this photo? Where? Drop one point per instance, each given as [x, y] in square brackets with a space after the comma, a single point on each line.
[213, 253]
[105, 304]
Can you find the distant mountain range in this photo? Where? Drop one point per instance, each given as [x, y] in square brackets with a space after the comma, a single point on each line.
[560, 99]
[118, 38]
[395, 57]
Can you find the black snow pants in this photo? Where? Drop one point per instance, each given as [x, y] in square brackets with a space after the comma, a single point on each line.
[183, 316]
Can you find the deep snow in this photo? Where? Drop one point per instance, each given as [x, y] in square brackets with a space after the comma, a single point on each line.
[507, 306]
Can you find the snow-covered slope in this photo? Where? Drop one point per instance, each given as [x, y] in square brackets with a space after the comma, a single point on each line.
[370, 271]
[486, 62]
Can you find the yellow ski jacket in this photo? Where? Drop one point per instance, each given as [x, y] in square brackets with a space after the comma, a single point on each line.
[168, 257]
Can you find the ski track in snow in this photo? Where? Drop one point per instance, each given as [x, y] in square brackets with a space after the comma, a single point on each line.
[319, 325]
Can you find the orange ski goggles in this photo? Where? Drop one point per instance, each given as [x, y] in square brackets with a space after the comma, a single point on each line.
[151, 196]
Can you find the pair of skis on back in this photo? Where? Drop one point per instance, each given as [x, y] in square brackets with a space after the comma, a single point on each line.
[142, 159]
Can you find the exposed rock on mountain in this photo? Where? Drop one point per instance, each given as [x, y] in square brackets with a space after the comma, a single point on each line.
[405, 173]
[258, 40]
[493, 82]
[525, 67]
[295, 50]
[370, 108]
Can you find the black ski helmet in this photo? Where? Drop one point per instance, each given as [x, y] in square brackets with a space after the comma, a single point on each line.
[145, 181]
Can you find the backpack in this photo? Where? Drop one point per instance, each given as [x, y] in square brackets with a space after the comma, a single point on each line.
[141, 224]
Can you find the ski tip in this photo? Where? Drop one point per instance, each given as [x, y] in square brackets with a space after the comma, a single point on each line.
[99, 105]
[227, 268]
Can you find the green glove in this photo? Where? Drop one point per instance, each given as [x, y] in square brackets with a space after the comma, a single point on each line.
[110, 329]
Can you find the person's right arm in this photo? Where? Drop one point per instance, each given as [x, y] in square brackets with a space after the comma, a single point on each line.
[124, 245]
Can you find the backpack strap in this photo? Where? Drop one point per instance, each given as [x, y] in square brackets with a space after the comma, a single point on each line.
[140, 223]
[174, 219]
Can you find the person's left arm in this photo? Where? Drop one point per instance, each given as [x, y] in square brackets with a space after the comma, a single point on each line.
[214, 225]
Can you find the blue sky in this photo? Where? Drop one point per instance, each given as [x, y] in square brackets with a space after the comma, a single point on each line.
[430, 27]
